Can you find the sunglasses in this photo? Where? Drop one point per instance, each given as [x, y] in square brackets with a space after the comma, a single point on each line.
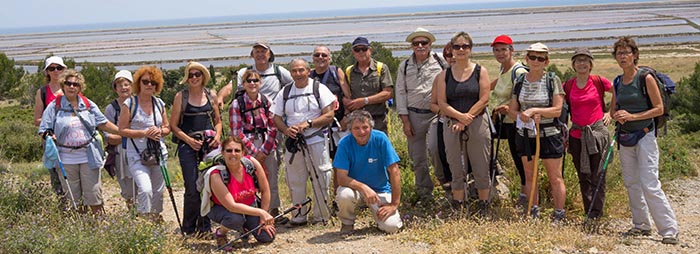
[538, 58]
[320, 55]
[71, 84]
[232, 150]
[53, 68]
[461, 47]
[149, 82]
[358, 49]
[447, 55]
[252, 80]
[420, 43]
[195, 75]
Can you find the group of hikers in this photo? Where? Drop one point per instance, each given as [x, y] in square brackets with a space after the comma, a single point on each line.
[329, 124]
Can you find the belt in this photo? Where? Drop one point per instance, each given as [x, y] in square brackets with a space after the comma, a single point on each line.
[420, 110]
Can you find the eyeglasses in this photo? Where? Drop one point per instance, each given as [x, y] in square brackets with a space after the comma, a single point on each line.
[538, 58]
[358, 49]
[195, 75]
[149, 82]
[53, 68]
[71, 84]
[623, 53]
[461, 47]
[252, 80]
[232, 150]
[420, 43]
[320, 55]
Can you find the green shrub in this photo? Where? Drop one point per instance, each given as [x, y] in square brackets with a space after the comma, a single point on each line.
[20, 142]
[686, 102]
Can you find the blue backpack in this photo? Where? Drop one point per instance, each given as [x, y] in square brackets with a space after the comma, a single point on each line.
[666, 87]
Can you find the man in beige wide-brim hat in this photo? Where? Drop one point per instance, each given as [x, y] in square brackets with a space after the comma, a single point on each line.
[416, 75]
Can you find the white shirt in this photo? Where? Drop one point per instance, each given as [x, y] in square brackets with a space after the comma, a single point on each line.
[302, 108]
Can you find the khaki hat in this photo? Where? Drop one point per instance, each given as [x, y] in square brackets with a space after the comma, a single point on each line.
[420, 32]
[196, 66]
[538, 47]
[265, 45]
[582, 51]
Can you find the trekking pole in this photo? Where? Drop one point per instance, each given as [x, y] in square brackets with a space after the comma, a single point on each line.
[602, 173]
[314, 178]
[465, 168]
[285, 212]
[63, 170]
[494, 157]
[533, 187]
[164, 170]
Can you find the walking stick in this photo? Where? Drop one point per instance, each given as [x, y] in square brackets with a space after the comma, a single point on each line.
[164, 170]
[50, 143]
[494, 156]
[289, 210]
[602, 173]
[313, 174]
[533, 186]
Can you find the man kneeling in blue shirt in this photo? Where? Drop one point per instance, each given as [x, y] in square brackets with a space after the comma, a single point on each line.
[367, 169]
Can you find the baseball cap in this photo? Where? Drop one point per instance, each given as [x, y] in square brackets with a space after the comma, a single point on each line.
[54, 60]
[265, 45]
[582, 51]
[123, 74]
[420, 32]
[505, 39]
[360, 41]
[538, 47]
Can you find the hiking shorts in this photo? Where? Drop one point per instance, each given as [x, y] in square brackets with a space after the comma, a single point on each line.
[551, 147]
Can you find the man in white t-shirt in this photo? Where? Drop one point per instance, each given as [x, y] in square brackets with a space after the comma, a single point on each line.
[302, 112]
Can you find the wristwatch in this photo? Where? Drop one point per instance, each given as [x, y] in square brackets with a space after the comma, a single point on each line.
[309, 122]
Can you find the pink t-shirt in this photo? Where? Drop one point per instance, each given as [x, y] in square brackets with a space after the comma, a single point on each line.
[586, 107]
[243, 192]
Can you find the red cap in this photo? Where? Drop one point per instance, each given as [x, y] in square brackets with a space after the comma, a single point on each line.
[505, 39]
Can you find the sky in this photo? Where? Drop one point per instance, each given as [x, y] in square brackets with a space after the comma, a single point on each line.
[36, 13]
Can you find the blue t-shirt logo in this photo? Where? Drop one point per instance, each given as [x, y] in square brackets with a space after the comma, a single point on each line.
[371, 160]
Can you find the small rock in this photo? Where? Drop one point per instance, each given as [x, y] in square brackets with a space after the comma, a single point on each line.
[593, 250]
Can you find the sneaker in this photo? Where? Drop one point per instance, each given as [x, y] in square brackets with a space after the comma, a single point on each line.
[670, 239]
[637, 232]
[535, 212]
[347, 229]
[294, 224]
[558, 217]
[222, 240]
[522, 201]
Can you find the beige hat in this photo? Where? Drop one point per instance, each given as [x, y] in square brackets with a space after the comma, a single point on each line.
[538, 47]
[265, 45]
[420, 32]
[196, 66]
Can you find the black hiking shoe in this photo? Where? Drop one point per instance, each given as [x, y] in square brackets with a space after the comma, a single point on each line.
[558, 217]
[535, 212]
[483, 209]
[673, 240]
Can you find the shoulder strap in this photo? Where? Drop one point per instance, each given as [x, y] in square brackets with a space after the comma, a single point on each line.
[550, 87]
[133, 105]
[568, 85]
[348, 71]
[405, 66]
[317, 93]
[117, 109]
[183, 104]
[513, 73]
[380, 65]
[285, 96]
[278, 74]
[598, 82]
[439, 60]
[334, 71]
[43, 91]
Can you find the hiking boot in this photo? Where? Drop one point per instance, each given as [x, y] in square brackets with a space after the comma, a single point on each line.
[535, 212]
[222, 240]
[347, 229]
[278, 220]
[484, 209]
[670, 239]
[637, 232]
[294, 224]
[558, 217]
[457, 204]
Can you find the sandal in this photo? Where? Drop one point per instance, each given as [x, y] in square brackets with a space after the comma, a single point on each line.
[222, 240]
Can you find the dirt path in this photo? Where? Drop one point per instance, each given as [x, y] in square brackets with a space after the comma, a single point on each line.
[684, 196]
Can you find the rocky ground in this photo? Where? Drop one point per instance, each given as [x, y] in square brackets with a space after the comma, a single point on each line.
[318, 238]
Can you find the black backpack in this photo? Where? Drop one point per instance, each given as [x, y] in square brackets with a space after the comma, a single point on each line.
[242, 109]
[288, 89]
[666, 88]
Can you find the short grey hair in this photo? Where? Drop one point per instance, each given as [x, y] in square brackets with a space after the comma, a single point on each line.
[330, 54]
[359, 115]
[299, 59]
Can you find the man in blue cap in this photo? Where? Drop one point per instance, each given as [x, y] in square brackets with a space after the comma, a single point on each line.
[370, 84]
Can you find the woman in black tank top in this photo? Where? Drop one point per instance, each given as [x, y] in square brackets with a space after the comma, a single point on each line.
[463, 91]
[198, 129]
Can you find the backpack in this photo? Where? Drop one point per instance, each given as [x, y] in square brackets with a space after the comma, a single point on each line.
[242, 109]
[118, 110]
[563, 119]
[333, 70]
[276, 73]
[517, 67]
[218, 161]
[666, 88]
[440, 61]
[597, 82]
[288, 89]
[183, 106]
[43, 90]
[348, 70]
[133, 106]
[94, 135]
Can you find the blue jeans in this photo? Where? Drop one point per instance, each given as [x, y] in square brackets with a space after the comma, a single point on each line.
[238, 222]
[191, 220]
